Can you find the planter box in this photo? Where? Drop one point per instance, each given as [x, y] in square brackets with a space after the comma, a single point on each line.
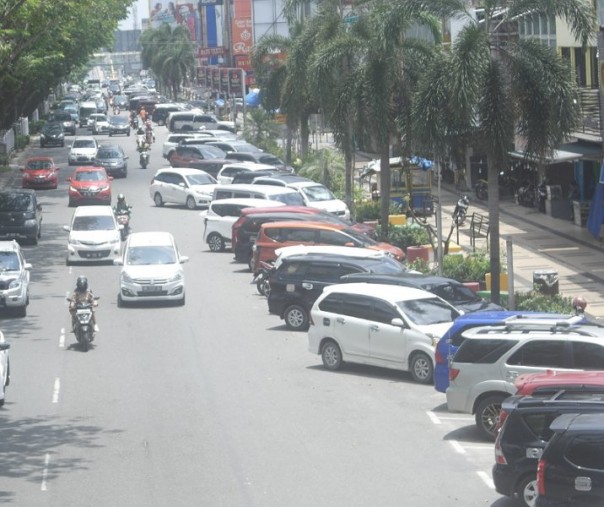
[397, 219]
[419, 252]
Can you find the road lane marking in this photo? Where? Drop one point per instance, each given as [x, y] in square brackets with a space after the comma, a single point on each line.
[457, 447]
[55, 391]
[44, 487]
[62, 338]
[433, 417]
[486, 478]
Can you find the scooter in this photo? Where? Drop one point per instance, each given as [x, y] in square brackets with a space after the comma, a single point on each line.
[261, 279]
[83, 328]
[144, 159]
[461, 210]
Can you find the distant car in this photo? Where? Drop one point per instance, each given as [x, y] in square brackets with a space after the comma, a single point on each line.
[113, 159]
[118, 125]
[89, 185]
[186, 187]
[14, 277]
[173, 140]
[20, 215]
[121, 101]
[259, 157]
[243, 146]
[94, 235]
[184, 154]
[82, 151]
[66, 120]
[40, 172]
[230, 171]
[52, 135]
[98, 124]
[151, 269]
[4, 368]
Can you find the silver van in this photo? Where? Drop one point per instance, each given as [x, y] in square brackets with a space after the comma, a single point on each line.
[285, 195]
[86, 109]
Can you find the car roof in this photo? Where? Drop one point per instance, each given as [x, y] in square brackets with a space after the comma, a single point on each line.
[185, 171]
[392, 293]
[9, 246]
[267, 189]
[84, 138]
[246, 164]
[248, 201]
[285, 209]
[89, 168]
[40, 158]
[416, 279]
[594, 423]
[304, 225]
[150, 238]
[90, 211]
[539, 331]
[530, 382]
[318, 250]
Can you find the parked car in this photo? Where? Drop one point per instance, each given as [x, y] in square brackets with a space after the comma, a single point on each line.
[551, 381]
[4, 368]
[118, 125]
[113, 159]
[40, 172]
[259, 157]
[89, 185]
[186, 187]
[279, 234]
[238, 146]
[82, 151]
[249, 177]
[20, 215]
[14, 279]
[525, 431]
[179, 121]
[285, 195]
[206, 158]
[151, 269]
[218, 219]
[380, 325]
[571, 469]
[173, 140]
[162, 111]
[94, 235]
[98, 123]
[229, 171]
[66, 120]
[483, 369]
[452, 291]
[52, 135]
[299, 279]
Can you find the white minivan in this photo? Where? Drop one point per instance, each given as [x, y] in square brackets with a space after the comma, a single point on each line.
[285, 195]
[229, 171]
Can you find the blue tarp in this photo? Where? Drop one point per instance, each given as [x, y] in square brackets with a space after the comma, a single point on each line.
[252, 99]
[596, 211]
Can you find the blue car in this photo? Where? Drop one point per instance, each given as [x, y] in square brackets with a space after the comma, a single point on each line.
[452, 339]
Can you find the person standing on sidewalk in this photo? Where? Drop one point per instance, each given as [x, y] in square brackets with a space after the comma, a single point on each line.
[573, 195]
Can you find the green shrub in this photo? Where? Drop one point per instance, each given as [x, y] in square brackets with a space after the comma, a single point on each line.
[367, 210]
[4, 159]
[21, 141]
[421, 265]
[469, 268]
[535, 301]
[405, 236]
[36, 126]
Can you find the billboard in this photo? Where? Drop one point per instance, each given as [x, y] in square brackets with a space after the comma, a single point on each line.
[174, 14]
[242, 27]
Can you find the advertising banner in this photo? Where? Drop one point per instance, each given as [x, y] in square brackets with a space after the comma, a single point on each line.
[215, 79]
[174, 13]
[242, 27]
[235, 82]
[224, 80]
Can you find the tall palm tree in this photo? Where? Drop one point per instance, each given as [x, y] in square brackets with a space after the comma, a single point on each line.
[497, 85]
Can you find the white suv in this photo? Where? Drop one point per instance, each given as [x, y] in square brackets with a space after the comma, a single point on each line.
[83, 150]
[382, 325]
[220, 216]
[14, 277]
[484, 368]
[189, 187]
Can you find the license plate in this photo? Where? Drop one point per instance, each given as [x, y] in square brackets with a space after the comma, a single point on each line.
[151, 288]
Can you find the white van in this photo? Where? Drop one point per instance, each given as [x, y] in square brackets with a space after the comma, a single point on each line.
[86, 109]
[229, 171]
[195, 120]
[248, 191]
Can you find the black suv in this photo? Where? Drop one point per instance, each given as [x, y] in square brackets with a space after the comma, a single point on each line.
[526, 431]
[20, 215]
[571, 469]
[299, 280]
[452, 291]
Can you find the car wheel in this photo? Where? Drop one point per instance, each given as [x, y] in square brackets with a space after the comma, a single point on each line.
[421, 368]
[158, 200]
[215, 242]
[34, 240]
[487, 415]
[42, 145]
[191, 202]
[120, 302]
[527, 491]
[263, 287]
[63, 144]
[128, 134]
[331, 355]
[296, 318]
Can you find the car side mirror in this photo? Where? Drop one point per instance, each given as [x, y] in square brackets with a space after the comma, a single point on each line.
[27, 265]
[182, 184]
[4, 346]
[183, 258]
[118, 262]
[66, 228]
[398, 322]
[110, 178]
[126, 157]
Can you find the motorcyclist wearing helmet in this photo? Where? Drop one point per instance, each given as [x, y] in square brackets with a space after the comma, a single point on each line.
[80, 295]
[122, 206]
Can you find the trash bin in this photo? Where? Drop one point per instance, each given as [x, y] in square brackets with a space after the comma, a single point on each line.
[545, 281]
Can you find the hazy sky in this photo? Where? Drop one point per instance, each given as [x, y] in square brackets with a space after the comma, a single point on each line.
[143, 12]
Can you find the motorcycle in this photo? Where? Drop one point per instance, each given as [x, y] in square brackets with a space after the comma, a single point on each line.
[83, 328]
[461, 210]
[482, 190]
[149, 136]
[144, 159]
[261, 279]
[123, 220]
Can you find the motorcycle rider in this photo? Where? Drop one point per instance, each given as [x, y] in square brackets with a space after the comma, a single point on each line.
[141, 138]
[149, 134]
[122, 207]
[80, 295]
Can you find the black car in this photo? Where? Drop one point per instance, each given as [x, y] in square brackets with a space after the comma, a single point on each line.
[66, 120]
[121, 101]
[113, 159]
[525, 432]
[118, 125]
[20, 215]
[298, 281]
[52, 134]
[452, 291]
[571, 469]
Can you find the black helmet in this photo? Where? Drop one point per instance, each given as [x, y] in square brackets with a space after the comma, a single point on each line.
[82, 283]
[121, 198]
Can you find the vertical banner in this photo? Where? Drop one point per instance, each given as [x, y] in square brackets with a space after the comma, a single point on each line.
[242, 27]
[235, 83]
[224, 80]
[216, 79]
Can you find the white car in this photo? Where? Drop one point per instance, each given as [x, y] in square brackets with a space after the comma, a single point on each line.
[229, 171]
[98, 123]
[4, 368]
[220, 216]
[189, 187]
[82, 151]
[151, 269]
[173, 140]
[94, 235]
[380, 325]
[14, 277]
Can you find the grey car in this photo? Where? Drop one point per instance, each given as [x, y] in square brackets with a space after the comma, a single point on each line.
[118, 125]
[113, 159]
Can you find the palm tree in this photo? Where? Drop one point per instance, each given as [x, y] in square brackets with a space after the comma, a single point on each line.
[496, 85]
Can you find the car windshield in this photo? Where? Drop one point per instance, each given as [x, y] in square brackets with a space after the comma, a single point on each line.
[453, 293]
[425, 312]
[118, 120]
[211, 152]
[35, 165]
[108, 153]
[200, 179]
[9, 261]
[387, 266]
[84, 143]
[145, 255]
[317, 193]
[10, 201]
[62, 116]
[270, 160]
[100, 117]
[89, 176]
[290, 199]
[53, 129]
[246, 148]
[93, 223]
[71, 110]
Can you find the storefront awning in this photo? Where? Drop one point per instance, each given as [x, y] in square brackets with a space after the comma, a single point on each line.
[566, 153]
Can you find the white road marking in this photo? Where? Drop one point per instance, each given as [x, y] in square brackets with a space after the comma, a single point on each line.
[55, 391]
[457, 447]
[433, 417]
[44, 487]
[62, 338]
[456, 418]
[486, 478]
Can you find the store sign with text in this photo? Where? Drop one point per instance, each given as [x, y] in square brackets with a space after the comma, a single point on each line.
[242, 27]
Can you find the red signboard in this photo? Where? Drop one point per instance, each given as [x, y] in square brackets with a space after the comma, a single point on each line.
[224, 79]
[235, 82]
[242, 27]
[205, 52]
[216, 79]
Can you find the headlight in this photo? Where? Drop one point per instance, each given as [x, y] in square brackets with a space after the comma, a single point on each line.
[434, 338]
[103, 189]
[126, 278]
[176, 277]
[15, 284]
[114, 241]
[73, 189]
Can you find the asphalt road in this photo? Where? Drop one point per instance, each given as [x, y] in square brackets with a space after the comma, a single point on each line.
[210, 404]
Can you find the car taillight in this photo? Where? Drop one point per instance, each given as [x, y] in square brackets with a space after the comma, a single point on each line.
[503, 415]
[453, 372]
[541, 477]
[499, 457]
[439, 358]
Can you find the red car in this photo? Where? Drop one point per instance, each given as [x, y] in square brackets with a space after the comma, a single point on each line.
[89, 185]
[40, 172]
